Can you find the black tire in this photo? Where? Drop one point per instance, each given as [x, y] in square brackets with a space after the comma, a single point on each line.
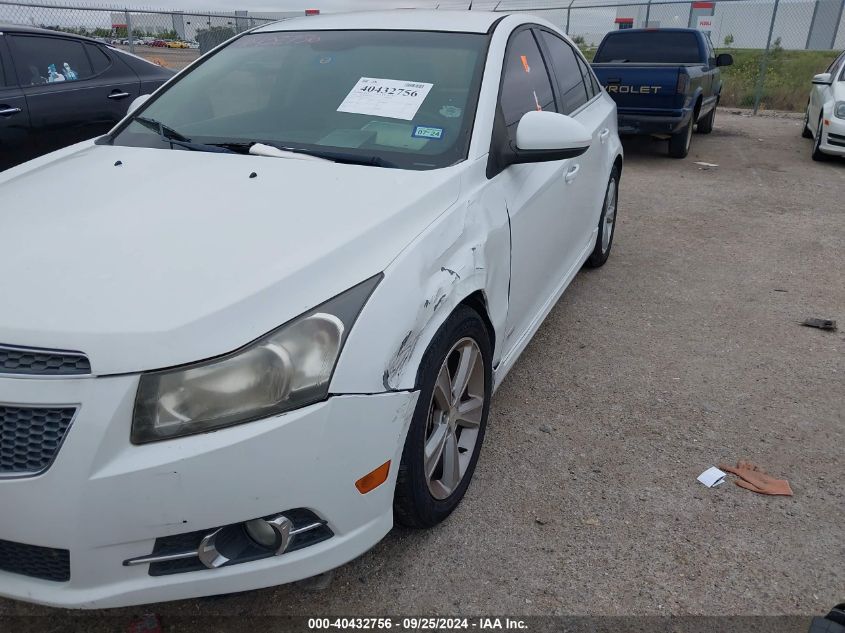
[705, 125]
[817, 154]
[600, 253]
[806, 132]
[414, 505]
[679, 142]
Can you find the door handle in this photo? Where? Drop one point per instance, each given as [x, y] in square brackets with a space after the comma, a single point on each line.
[571, 173]
[9, 111]
[118, 95]
[605, 133]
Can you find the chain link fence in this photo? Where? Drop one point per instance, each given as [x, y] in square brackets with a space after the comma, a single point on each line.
[778, 45]
[170, 38]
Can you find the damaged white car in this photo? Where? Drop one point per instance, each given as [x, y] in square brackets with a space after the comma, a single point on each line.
[263, 318]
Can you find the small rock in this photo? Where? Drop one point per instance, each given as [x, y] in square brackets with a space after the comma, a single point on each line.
[545, 429]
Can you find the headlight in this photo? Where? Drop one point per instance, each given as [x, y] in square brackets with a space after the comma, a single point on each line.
[283, 370]
[839, 110]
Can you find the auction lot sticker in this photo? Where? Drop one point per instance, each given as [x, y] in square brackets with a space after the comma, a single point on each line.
[389, 98]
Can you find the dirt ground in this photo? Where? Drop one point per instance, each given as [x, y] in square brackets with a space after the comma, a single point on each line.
[683, 352]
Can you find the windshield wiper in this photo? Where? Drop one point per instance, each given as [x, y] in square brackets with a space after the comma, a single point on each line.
[334, 156]
[171, 136]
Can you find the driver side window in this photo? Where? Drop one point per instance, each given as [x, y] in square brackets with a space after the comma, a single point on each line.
[525, 82]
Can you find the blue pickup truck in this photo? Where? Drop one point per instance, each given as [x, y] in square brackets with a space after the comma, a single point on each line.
[664, 82]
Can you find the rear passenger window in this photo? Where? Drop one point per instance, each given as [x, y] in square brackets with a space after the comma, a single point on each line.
[526, 84]
[48, 60]
[99, 59]
[570, 80]
[2, 72]
[588, 78]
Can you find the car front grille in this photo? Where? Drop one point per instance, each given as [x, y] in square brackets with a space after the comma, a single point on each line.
[42, 362]
[47, 563]
[30, 437]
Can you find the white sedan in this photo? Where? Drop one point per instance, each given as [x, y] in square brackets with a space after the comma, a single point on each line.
[824, 120]
[263, 318]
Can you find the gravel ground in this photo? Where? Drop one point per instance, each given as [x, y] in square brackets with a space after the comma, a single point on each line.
[683, 352]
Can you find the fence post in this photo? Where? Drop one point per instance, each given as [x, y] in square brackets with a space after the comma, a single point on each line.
[568, 14]
[647, 13]
[129, 35]
[764, 63]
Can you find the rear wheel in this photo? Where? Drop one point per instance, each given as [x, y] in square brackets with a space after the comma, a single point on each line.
[447, 429]
[705, 125]
[607, 223]
[680, 141]
[817, 143]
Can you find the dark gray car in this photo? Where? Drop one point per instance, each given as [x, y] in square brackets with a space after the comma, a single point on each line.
[57, 89]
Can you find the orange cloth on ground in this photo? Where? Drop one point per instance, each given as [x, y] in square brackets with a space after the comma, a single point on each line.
[752, 477]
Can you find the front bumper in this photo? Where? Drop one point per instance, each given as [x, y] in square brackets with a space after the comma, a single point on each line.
[648, 121]
[833, 137]
[106, 500]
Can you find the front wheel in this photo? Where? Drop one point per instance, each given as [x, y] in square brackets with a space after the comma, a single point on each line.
[607, 223]
[447, 428]
[680, 141]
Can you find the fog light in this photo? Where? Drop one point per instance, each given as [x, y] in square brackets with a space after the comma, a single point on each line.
[272, 534]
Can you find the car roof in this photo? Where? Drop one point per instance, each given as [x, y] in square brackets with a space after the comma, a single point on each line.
[397, 19]
[16, 28]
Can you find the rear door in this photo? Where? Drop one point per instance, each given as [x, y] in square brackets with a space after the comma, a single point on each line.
[577, 98]
[15, 143]
[75, 89]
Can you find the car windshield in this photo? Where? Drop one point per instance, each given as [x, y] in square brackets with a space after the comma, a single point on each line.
[649, 47]
[389, 98]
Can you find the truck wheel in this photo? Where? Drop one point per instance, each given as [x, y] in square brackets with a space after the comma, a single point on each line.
[805, 129]
[817, 152]
[680, 141]
[705, 125]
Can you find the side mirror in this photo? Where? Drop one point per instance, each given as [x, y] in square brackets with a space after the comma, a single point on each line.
[725, 59]
[137, 103]
[547, 136]
[823, 79]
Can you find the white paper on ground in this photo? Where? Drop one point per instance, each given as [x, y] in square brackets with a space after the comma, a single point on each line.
[712, 477]
[391, 98]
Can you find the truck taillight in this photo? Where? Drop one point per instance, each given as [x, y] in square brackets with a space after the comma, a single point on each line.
[683, 83]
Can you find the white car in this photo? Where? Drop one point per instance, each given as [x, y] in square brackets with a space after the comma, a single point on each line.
[824, 120]
[359, 223]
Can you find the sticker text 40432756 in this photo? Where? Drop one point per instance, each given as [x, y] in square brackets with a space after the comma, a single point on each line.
[391, 98]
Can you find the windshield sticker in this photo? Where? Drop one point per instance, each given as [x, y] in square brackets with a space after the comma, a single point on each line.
[450, 111]
[388, 98]
[423, 131]
[525, 65]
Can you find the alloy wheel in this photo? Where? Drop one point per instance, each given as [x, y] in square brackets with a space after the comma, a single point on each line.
[609, 216]
[454, 417]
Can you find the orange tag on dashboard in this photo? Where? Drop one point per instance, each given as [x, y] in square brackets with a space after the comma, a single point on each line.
[525, 63]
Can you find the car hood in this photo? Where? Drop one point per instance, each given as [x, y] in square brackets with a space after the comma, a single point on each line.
[146, 258]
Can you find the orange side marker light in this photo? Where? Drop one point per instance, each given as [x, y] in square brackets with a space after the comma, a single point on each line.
[374, 479]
